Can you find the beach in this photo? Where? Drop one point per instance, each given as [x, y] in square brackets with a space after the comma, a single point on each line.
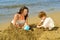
[8, 8]
[55, 15]
[37, 34]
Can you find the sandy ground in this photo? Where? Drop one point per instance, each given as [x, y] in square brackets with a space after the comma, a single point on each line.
[38, 33]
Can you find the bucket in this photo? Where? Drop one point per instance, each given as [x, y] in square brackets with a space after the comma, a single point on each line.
[26, 27]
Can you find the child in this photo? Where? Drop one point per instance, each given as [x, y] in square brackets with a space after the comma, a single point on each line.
[46, 22]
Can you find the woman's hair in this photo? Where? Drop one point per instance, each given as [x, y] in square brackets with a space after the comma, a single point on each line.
[41, 14]
[22, 9]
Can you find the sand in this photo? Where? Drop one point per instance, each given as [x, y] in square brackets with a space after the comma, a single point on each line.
[37, 34]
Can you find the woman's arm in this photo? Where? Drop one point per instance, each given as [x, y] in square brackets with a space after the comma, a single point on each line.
[27, 21]
[15, 19]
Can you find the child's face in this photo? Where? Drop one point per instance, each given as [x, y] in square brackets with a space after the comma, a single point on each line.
[43, 17]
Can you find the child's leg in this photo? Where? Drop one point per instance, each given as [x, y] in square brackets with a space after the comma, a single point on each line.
[50, 28]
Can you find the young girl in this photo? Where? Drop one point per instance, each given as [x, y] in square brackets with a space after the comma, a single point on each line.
[46, 22]
[20, 18]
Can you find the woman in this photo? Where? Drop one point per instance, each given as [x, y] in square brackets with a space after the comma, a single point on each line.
[20, 19]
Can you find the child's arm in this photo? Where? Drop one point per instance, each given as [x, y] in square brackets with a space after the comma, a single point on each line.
[40, 23]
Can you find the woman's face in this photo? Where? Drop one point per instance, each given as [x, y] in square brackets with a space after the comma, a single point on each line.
[25, 12]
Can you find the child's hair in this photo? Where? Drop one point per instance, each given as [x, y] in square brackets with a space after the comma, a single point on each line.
[41, 14]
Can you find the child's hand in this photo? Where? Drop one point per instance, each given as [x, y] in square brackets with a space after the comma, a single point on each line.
[39, 26]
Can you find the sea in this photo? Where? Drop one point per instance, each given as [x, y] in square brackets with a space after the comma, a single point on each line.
[10, 7]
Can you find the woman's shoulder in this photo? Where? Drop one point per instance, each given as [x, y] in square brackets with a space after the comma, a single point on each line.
[16, 15]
